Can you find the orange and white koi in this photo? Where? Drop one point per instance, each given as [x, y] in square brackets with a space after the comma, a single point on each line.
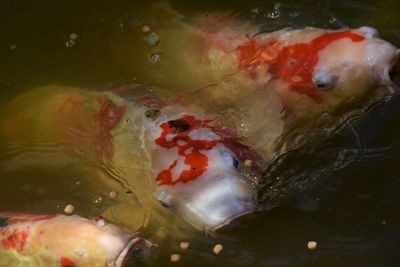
[310, 69]
[274, 81]
[181, 156]
[65, 241]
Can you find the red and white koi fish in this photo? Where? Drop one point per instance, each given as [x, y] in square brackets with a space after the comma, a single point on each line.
[316, 64]
[198, 167]
[65, 241]
[273, 81]
[173, 154]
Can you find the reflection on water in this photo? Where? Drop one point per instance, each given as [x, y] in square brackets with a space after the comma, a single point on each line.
[351, 205]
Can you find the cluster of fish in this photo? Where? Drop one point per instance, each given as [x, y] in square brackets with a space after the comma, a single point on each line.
[202, 169]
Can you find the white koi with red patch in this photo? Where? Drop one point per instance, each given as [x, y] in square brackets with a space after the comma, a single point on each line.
[65, 241]
[182, 155]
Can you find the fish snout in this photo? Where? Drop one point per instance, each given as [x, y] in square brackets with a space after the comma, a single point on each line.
[226, 198]
[137, 250]
[383, 57]
[368, 32]
[393, 71]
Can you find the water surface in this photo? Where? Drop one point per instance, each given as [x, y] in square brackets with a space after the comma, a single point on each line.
[354, 215]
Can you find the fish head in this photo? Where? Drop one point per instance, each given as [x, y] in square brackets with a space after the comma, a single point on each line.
[76, 241]
[332, 67]
[199, 171]
[354, 65]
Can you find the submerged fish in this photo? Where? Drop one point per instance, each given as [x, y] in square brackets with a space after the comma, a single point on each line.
[173, 154]
[263, 85]
[65, 241]
[277, 80]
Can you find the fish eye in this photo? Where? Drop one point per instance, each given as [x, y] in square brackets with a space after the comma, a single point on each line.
[323, 80]
[230, 159]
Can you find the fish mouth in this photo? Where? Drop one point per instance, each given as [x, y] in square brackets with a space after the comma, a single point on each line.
[136, 248]
[392, 73]
[231, 219]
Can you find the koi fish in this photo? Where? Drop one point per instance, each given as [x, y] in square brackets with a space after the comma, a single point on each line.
[65, 241]
[315, 64]
[175, 155]
[276, 80]
[319, 64]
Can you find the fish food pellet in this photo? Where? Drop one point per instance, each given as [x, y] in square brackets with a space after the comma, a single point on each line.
[175, 257]
[217, 249]
[113, 194]
[146, 28]
[184, 245]
[73, 36]
[248, 163]
[69, 209]
[312, 245]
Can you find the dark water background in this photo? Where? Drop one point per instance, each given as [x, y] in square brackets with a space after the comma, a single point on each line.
[354, 216]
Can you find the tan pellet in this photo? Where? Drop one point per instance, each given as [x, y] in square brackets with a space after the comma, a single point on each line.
[184, 245]
[312, 245]
[69, 209]
[248, 163]
[217, 249]
[175, 257]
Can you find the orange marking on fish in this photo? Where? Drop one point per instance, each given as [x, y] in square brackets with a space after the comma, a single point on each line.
[13, 238]
[293, 64]
[108, 117]
[196, 160]
[66, 262]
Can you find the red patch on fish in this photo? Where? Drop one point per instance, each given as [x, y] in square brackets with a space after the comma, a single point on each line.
[66, 262]
[187, 147]
[108, 117]
[88, 121]
[293, 64]
[14, 238]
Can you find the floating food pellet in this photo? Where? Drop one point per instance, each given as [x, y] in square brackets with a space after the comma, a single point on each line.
[248, 163]
[152, 39]
[217, 249]
[73, 36]
[69, 209]
[175, 257]
[312, 245]
[184, 245]
[146, 28]
[113, 194]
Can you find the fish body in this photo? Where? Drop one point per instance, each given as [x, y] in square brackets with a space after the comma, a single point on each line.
[262, 86]
[65, 241]
[176, 155]
[270, 82]
[317, 64]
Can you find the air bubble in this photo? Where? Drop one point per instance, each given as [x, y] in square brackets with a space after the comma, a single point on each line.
[98, 199]
[156, 57]
[276, 13]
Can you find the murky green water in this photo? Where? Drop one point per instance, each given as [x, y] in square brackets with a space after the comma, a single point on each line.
[356, 219]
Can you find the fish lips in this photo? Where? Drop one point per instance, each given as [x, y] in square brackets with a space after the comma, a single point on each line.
[391, 73]
[136, 249]
[225, 199]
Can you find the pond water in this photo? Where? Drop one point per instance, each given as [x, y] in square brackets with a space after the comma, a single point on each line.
[352, 212]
